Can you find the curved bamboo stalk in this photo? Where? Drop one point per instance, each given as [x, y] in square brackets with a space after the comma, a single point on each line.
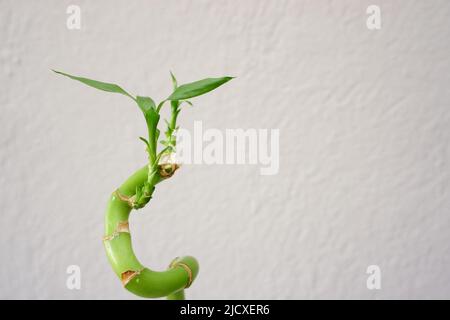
[137, 191]
[117, 241]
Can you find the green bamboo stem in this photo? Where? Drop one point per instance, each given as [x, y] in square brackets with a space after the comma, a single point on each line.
[138, 189]
[117, 241]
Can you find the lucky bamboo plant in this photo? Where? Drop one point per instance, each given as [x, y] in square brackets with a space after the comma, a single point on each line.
[138, 189]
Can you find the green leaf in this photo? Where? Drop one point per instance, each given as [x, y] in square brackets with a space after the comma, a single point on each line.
[148, 107]
[174, 103]
[152, 119]
[174, 81]
[197, 88]
[109, 87]
[158, 108]
[145, 141]
[145, 103]
[188, 102]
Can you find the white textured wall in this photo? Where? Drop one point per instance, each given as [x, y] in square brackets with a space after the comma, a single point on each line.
[364, 153]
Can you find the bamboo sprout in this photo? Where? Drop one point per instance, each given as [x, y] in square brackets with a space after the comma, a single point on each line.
[137, 191]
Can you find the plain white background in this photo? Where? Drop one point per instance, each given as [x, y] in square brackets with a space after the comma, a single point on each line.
[364, 146]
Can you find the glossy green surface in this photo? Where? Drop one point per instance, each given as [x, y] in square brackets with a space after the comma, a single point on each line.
[148, 283]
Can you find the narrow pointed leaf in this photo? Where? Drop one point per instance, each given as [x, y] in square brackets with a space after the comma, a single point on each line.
[152, 118]
[174, 80]
[109, 87]
[158, 108]
[197, 88]
[144, 140]
[188, 102]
